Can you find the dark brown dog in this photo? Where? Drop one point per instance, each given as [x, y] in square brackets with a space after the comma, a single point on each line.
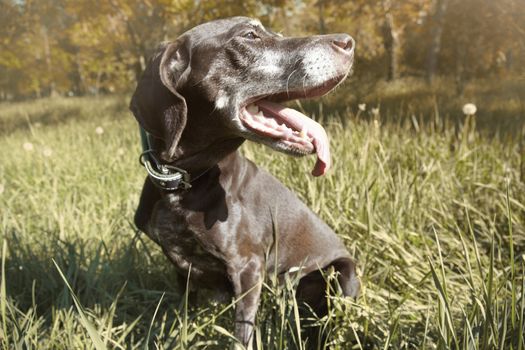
[200, 97]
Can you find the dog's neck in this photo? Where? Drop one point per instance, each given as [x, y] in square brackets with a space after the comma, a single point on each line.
[196, 162]
[199, 148]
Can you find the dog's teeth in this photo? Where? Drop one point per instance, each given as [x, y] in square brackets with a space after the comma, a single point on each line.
[252, 109]
[259, 114]
[303, 133]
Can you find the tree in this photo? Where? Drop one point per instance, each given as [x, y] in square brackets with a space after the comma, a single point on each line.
[80, 46]
[440, 8]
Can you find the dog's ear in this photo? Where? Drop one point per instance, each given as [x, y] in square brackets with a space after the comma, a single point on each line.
[157, 105]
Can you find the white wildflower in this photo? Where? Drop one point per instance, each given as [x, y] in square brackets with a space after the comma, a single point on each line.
[99, 130]
[120, 152]
[47, 152]
[470, 109]
[28, 146]
[375, 111]
[362, 107]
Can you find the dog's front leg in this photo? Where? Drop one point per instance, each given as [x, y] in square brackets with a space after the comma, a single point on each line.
[247, 278]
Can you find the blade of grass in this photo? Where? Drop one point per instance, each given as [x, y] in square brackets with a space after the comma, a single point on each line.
[3, 299]
[511, 255]
[92, 332]
[146, 342]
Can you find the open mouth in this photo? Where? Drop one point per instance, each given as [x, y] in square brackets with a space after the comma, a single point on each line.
[290, 130]
[298, 134]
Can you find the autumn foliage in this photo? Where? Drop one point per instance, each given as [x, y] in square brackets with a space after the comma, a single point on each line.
[78, 47]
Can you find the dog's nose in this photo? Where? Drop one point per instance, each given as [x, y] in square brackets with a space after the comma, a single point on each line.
[344, 41]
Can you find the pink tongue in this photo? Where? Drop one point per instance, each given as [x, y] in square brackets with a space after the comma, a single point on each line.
[298, 120]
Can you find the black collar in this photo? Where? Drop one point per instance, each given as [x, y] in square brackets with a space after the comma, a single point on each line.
[164, 176]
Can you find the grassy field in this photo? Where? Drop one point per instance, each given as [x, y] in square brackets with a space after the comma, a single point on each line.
[435, 219]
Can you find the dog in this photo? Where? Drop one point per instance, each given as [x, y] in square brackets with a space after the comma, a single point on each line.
[200, 97]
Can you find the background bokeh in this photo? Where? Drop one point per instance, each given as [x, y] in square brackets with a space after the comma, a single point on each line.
[412, 55]
[83, 47]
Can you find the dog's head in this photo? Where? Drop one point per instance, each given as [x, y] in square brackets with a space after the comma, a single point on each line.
[225, 78]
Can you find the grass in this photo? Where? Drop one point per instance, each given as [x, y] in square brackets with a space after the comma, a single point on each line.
[436, 222]
[501, 106]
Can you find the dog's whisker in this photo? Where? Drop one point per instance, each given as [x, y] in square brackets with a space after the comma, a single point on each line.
[304, 79]
[288, 81]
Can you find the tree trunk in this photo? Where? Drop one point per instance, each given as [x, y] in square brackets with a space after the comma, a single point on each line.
[460, 69]
[139, 66]
[79, 79]
[322, 28]
[49, 63]
[391, 44]
[435, 40]
[522, 149]
[510, 59]
[97, 82]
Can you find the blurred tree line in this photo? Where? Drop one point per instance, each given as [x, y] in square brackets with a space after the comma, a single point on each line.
[78, 47]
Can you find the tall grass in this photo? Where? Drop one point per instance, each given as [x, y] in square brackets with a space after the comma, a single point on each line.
[436, 223]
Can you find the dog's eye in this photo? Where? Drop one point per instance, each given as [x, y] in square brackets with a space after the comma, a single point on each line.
[251, 36]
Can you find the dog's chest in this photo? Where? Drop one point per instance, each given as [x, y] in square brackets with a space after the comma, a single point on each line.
[179, 241]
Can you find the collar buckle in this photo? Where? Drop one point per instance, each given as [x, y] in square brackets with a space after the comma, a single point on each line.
[164, 176]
